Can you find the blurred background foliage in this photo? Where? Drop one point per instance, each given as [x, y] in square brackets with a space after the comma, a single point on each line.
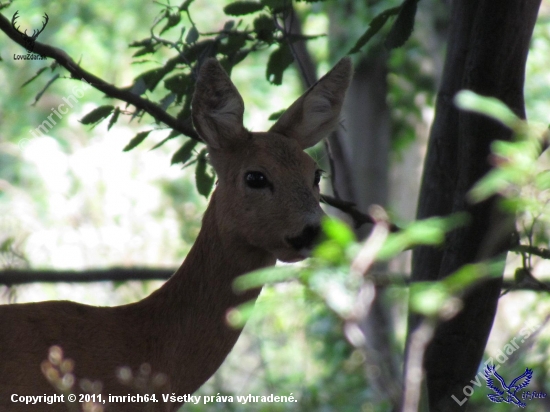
[72, 199]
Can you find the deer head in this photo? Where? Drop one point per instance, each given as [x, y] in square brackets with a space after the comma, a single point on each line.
[29, 40]
[268, 185]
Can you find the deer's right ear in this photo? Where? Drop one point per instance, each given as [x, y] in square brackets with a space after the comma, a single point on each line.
[217, 107]
[316, 113]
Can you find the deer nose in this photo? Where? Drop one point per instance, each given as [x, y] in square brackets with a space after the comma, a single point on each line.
[306, 239]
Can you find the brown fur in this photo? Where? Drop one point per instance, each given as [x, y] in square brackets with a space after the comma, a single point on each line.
[180, 329]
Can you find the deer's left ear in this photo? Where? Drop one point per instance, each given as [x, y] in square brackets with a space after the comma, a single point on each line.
[315, 114]
[217, 107]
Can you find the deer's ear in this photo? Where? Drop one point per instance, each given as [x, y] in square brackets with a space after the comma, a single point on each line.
[217, 107]
[315, 114]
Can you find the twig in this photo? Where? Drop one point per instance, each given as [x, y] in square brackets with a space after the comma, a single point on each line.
[413, 369]
[532, 250]
[359, 218]
[116, 274]
[123, 274]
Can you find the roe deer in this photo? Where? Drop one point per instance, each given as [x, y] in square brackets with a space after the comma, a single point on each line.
[265, 207]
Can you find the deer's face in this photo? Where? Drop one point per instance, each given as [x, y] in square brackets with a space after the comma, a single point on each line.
[268, 187]
[268, 195]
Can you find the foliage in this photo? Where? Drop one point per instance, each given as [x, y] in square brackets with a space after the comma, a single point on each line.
[177, 41]
[520, 175]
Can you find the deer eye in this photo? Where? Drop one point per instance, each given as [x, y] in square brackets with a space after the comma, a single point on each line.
[318, 174]
[256, 180]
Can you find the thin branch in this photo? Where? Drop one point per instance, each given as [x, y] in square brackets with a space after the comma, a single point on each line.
[416, 350]
[359, 218]
[116, 274]
[77, 72]
[532, 250]
[123, 274]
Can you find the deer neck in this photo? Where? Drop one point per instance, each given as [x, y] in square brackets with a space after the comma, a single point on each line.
[190, 308]
[215, 260]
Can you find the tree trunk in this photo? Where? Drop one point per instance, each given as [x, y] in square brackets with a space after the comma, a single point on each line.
[487, 52]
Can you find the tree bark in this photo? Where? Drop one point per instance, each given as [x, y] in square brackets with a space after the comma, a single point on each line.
[487, 52]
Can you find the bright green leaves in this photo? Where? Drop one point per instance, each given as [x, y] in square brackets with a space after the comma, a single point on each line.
[424, 232]
[428, 298]
[518, 174]
[333, 251]
[339, 232]
[441, 298]
[489, 106]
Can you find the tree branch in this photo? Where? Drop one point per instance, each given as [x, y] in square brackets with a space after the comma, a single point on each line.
[116, 274]
[532, 250]
[359, 218]
[78, 72]
[11, 277]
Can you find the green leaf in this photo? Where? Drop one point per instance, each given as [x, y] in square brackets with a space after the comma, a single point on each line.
[489, 106]
[330, 252]
[203, 179]
[114, 118]
[48, 84]
[424, 232]
[144, 50]
[173, 133]
[374, 27]
[278, 62]
[235, 42]
[338, 231]
[97, 114]
[403, 26]
[239, 316]
[178, 84]
[264, 26]
[242, 8]
[276, 115]
[492, 183]
[192, 35]
[467, 275]
[173, 20]
[260, 277]
[38, 73]
[542, 180]
[151, 78]
[428, 298]
[185, 5]
[184, 152]
[138, 138]
[141, 43]
[277, 6]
